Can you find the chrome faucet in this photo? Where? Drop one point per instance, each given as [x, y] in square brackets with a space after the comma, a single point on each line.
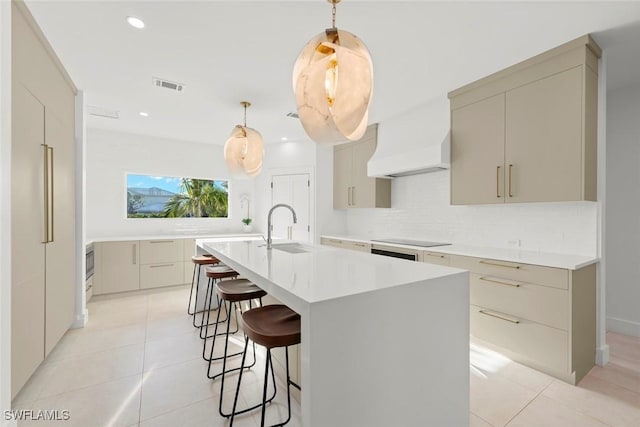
[279, 205]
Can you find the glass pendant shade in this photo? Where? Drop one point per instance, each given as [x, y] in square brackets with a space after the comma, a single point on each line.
[333, 84]
[243, 152]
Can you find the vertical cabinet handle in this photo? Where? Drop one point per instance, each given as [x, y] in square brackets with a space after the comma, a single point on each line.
[45, 157]
[48, 194]
[51, 226]
[498, 181]
[133, 254]
[510, 168]
[353, 196]
[348, 196]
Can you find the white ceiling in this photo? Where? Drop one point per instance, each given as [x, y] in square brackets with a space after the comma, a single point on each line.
[229, 51]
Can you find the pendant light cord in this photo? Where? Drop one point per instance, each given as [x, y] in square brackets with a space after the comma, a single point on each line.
[333, 15]
[245, 115]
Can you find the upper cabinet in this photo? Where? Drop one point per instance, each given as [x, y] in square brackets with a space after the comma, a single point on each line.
[352, 188]
[528, 133]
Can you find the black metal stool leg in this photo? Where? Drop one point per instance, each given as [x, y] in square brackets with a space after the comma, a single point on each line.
[193, 278]
[195, 305]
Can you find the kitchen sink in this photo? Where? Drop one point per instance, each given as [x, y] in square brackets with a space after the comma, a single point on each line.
[292, 248]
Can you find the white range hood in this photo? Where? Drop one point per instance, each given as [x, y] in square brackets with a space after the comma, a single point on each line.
[417, 141]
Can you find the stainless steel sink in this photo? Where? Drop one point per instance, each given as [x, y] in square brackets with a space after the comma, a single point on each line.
[292, 248]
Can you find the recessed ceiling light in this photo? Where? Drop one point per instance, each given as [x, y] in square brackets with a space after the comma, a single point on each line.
[143, 114]
[135, 22]
[284, 138]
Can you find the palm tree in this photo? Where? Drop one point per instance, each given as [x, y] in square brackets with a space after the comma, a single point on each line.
[199, 198]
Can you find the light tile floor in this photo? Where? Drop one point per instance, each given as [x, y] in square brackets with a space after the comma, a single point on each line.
[138, 363]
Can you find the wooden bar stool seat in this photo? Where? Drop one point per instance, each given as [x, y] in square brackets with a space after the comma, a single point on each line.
[238, 290]
[270, 326]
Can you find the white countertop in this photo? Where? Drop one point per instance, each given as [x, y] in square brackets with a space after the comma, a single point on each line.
[169, 236]
[324, 272]
[548, 259]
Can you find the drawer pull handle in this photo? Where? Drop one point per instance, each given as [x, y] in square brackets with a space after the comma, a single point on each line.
[161, 265]
[517, 267]
[515, 285]
[499, 316]
[435, 255]
[362, 245]
[160, 241]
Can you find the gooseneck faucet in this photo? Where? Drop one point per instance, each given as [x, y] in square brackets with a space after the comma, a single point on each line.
[279, 205]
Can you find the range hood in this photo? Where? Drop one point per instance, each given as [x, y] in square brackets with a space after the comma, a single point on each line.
[415, 142]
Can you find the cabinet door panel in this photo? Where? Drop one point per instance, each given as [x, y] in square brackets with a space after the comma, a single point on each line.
[363, 193]
[342, 167]
[27, 235]
[166, 250]
[120, 266]
[60, 281]
[544, 139]
[477, 152]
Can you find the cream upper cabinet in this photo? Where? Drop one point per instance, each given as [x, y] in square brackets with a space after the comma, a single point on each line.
[352, 188]
[528, 133]
[477, 151]
[543, 154]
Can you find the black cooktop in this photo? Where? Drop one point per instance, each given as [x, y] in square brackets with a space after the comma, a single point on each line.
[412, 242]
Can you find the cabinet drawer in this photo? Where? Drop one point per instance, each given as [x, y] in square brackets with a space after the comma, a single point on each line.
[436, 258]
[542, 304]
[331, 242]
[356, 246]
[532, 342]
[548, 276]
[157, 251]
[163, 274]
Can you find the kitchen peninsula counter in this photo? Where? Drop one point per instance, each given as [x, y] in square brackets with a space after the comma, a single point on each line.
[384, 341]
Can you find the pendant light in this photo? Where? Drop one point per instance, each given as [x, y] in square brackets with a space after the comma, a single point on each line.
[244, 150]
[333, 84]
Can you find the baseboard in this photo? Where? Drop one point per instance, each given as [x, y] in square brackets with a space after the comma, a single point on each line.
[81, 320]
[624, 327]
[602, 355]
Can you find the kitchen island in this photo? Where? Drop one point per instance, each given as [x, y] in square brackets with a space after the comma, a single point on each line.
[384, 341]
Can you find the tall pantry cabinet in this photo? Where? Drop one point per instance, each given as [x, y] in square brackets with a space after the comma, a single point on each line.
[42, 199]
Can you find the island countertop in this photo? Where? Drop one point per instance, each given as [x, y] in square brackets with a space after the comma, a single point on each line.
[384, 341]
[323, 272]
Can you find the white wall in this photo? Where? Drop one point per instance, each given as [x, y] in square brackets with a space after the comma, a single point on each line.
[421, 210]
[622, 244]
[111, 155]
[5, 210]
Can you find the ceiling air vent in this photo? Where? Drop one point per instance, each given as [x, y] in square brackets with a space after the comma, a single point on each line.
[292, 114]
[179, 87]
[103, 112]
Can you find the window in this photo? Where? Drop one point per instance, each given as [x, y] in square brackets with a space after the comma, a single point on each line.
[170, 197]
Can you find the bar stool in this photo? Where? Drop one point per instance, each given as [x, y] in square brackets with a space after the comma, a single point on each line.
[270, 326]
[214, 273]
[233, 292]
[198, 261]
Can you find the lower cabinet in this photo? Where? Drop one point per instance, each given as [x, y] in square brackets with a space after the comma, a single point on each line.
[436, 258]
[539, 316]
[142, 264]
[346, 244]
[117, 267]
[161, 263]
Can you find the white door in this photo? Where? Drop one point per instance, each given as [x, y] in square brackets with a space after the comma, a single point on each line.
[294, 191]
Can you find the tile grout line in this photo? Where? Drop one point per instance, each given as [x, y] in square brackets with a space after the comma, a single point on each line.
[476, 415]
[529, 403]
[144, 356]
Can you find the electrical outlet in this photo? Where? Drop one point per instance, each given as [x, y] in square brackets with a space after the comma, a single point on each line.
[515, 243]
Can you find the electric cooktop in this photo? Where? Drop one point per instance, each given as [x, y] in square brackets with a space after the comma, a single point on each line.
[412, 242]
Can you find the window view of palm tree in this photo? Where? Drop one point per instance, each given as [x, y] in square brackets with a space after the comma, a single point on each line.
[169, 197]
